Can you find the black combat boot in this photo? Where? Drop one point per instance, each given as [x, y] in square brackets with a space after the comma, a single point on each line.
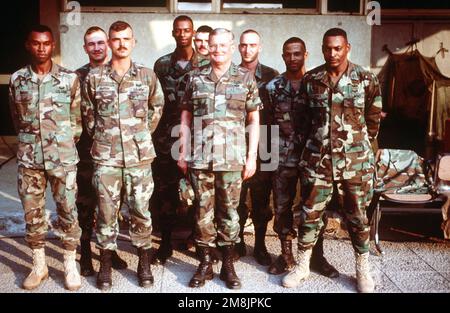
[86, 268]
[227, 272]
[117, 262]
[318, 262]
[215, 255]
[204, 270]
[240, 248]
[104, 280]
[144, 272]
[285, 261]
[165, 250]
[260, 252]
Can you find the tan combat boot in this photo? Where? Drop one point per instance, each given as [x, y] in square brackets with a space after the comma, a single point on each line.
[364, 279]
[39, 272]
[72, 279]
[300, 271]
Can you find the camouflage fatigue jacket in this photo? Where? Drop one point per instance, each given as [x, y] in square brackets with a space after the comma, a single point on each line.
[339, 123]
[170, 73]
[263, 75]
[284, 106]
[85, 143]
[219, 108]
[46, 116]
[120, 113]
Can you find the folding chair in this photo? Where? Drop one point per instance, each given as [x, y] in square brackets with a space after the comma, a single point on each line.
[404, 182]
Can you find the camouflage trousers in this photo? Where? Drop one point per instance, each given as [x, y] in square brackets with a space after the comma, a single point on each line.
[137, 185]
[354, 195]
[260, 186]
[166, 199]
[31, 187]
[86, 199]
[218, 198]
[284, 190]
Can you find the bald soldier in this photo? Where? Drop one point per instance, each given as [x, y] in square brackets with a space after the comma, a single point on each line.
[45, 104]
[219, 100]
[260, 184]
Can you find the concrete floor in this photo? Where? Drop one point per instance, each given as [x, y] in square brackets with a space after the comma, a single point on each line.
[406, 267]
[417, 259]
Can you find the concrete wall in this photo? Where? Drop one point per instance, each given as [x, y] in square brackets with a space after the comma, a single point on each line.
[153, 33]
[395, 34]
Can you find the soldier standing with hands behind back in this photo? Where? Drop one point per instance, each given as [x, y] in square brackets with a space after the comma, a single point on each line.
[96, 47]
[170, 69]
[45, 104]
[259, 184]
[123, 104]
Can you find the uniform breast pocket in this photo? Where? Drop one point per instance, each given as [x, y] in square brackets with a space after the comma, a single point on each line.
[105, 101]
[61, 103]
[139, 100]
[140, 105]
[61, 96]
[236, 100]
[26, 107]
[319, 105]
[200, 105]
[318, 101]
[354, 110]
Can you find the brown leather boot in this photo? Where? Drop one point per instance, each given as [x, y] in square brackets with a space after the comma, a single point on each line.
[319, 263]
[285, 261]
[104, 279]
[144, 271]
[204, 270]
[86, 268]
[227, 272]
[260, 252]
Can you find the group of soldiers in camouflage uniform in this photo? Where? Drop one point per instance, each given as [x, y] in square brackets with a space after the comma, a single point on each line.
[196, 117]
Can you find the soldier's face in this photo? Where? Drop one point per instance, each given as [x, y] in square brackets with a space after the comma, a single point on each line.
[221, 48]
[201, 43]
[96, 47]
[249, 47]
[121, 43]
[294, 56]
[335, 50]
[40, 46]
[183, 32]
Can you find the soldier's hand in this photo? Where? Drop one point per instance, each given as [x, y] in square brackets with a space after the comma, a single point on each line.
[182, 164]
[250, 167]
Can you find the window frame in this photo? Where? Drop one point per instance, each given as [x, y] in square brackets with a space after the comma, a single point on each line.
[270, 11]
[124, 9]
